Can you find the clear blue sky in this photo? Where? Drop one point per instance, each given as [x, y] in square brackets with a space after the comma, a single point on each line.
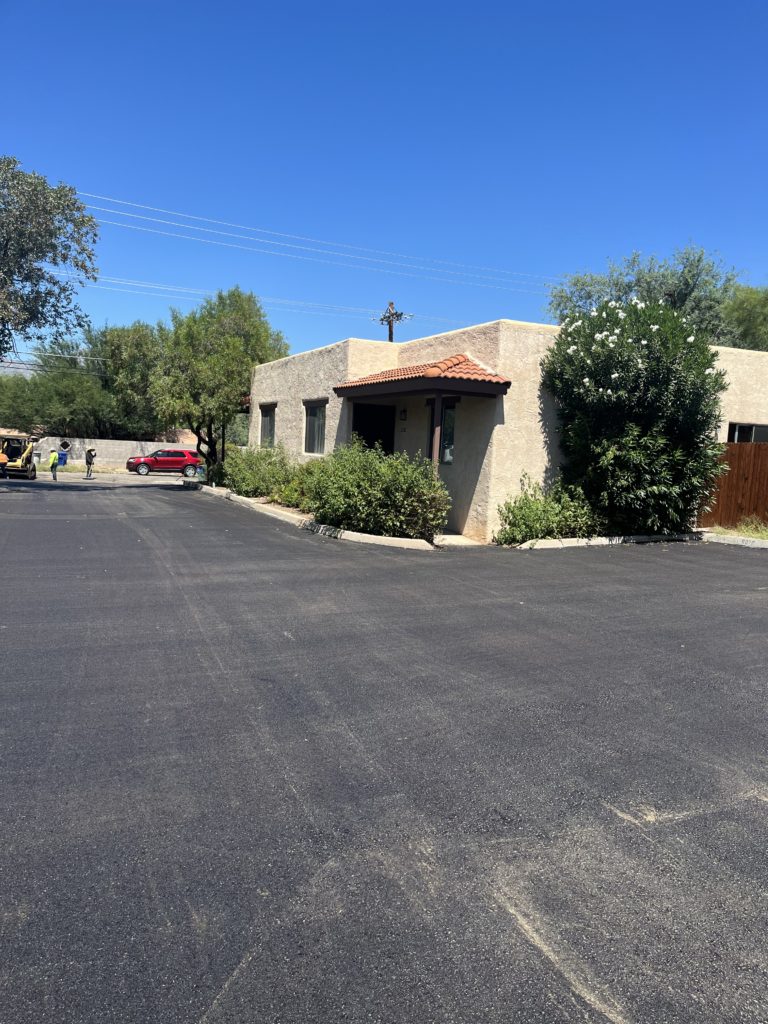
[530, 139]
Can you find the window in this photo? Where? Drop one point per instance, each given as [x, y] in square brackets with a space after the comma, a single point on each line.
[738, 432]
[314, 432]
[267, 436]
[447, 429]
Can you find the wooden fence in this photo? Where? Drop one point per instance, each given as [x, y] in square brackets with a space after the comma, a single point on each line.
[743, 491]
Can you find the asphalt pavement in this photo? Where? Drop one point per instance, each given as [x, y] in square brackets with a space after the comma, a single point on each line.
[250, 774]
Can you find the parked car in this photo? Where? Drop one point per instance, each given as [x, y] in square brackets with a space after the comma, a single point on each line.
[165, 460]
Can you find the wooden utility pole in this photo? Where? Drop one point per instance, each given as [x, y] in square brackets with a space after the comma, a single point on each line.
[392, 316]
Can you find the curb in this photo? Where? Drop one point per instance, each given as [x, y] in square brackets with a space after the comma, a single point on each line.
[596, 542]
[300, 520]
[739, 542]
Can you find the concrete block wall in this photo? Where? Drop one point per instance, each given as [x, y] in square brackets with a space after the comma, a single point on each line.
[108, 452]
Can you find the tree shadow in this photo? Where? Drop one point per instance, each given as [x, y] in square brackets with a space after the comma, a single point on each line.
[549, 424]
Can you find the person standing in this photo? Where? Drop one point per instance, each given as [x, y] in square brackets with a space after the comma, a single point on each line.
[4, 464]
[53, 462]
[90, 455]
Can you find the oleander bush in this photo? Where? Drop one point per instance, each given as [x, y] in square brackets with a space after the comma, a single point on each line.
[538, 514]
[256, 472]
[638, 397]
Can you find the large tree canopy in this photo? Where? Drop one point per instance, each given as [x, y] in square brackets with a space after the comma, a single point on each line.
[46, 252]
[747, 314]
[205, 367]
[691, 282]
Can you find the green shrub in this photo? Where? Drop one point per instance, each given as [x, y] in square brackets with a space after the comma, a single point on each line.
[637, 391]
[363, 489]
[256, 472]
[296, 492]
[536, 514]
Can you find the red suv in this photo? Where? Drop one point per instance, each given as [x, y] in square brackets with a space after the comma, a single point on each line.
[165, 461]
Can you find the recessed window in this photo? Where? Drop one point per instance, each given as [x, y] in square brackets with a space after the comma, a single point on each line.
[749, 432]
[314, 431]
[267, 435]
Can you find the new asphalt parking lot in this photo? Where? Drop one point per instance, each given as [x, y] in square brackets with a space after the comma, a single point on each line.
[250, 774]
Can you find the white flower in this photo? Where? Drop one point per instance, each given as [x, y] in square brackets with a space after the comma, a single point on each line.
[611, 345]
[609, 392]
[586, 380]
[614, 376]
[604, 314]
[631, 341]
[571, 350]
[689, 339]
[613, 304]
[654, 327]
[577, 324]
[709, 370]
[613, 337]
[622, 315]
[643, 341]
[593, 312]
[601, 390]
[639, 363]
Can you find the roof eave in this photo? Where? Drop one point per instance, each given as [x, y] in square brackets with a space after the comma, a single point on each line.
[424, 386]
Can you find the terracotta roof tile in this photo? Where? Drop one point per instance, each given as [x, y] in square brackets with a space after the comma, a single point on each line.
[458, 367]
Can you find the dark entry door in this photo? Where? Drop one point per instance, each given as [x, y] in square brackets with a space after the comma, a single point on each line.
[375, 423]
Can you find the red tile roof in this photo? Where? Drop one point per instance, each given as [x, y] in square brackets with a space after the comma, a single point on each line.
[458, 367]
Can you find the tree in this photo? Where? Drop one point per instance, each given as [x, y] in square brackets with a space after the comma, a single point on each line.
[205, 367]
[693, 283]
[637, 390]
[747, 314]
[126, 359]
[46, 253]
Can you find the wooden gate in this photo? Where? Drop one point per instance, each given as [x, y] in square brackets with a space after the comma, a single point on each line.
[743, 491]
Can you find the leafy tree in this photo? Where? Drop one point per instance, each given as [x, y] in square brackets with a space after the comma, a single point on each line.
[747, 315]
[693, 283]
[44, 232]
[637, 391]
[205, 366]
[68, 401]
[125, 359]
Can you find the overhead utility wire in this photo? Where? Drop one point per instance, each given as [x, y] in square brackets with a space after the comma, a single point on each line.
[290, 245]
[317, 241]
[303, 305]
[314, 259]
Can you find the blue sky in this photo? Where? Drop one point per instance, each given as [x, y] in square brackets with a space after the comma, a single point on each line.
[452, 158]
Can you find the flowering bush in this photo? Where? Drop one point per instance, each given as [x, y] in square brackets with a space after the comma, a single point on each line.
[638, 397]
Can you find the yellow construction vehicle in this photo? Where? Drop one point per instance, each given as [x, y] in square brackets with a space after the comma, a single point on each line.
[19, 452]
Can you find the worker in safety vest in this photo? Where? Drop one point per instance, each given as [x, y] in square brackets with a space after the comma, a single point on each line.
[53, 462]
[4, 464]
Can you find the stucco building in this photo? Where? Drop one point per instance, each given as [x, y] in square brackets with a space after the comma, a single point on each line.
[470, 399]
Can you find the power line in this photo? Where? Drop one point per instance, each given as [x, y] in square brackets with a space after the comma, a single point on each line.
[302, 305]
[316, 241]
[304, 248]
[314, 259]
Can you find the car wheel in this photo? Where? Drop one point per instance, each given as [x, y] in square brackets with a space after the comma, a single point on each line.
[142, 469]
[32, 473]
[190, 471]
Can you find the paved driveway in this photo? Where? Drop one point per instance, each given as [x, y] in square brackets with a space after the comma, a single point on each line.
[254, 775]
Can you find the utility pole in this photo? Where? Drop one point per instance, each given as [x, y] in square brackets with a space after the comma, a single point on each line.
[390, 317]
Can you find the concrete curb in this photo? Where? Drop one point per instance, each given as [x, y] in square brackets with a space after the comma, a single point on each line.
[300, 520]
[739, 542]
[596, 542]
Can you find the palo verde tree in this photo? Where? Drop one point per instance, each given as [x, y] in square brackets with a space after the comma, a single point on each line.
[204, 371]
[747, 313]
[637, 390]
[46, 252]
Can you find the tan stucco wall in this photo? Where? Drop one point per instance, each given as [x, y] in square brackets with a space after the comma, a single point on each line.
[496, 439]
[746, 400]
[311, 375]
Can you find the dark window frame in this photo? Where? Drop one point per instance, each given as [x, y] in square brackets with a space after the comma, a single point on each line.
[448, 406]
[268, 414]
[314, 425]
[737, 430]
